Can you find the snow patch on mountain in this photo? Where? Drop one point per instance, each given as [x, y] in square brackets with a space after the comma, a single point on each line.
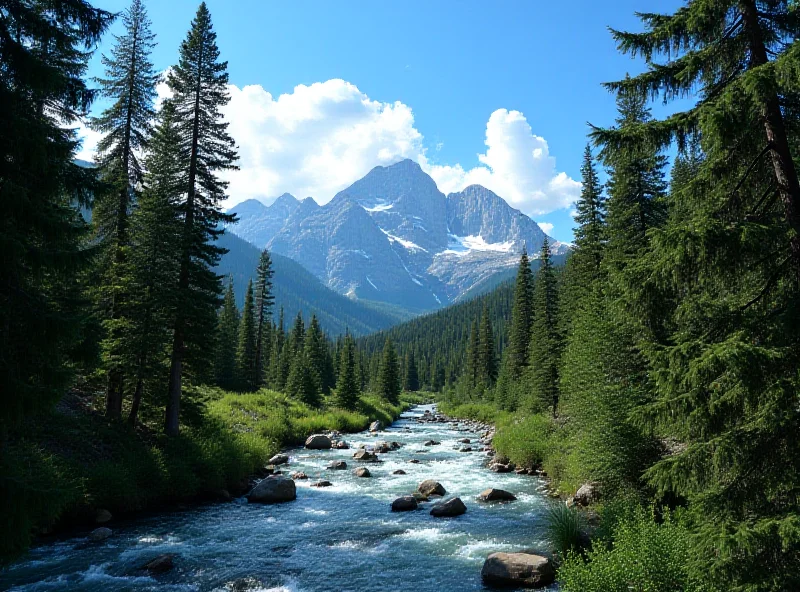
[381, 206]
[462, 245]
[405, 243]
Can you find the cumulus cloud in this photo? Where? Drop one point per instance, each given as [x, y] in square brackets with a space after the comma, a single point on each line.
[546, 227]
[319, 138]
[517, 166]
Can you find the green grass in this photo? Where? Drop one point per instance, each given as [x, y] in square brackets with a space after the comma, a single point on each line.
[564, 529]
[67, 464]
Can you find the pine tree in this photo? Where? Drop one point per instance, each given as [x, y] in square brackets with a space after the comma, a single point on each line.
[225, 365]
[348, 388]
[316, 354]
[297, 337]
[199, 86]
[276, 377]
[487, 360]
[412, 376]
[516, 353]
[723, 279]
[246, 348]
[545, 347]
[41, 234]
[130, 84]
[473, 356]
[264, 302]
[155, 231]
[301, 383]
[388, 378]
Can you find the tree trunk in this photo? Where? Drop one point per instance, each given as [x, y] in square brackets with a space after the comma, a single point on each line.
[775, 130]
[137, 401]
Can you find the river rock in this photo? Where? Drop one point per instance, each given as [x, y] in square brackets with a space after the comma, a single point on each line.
[414, 461]
[466, 449]
[500, 468]
[429, 486]
[338, 465]
[399, 472]
[322, 483]
[365, 456]
[161, 564]
[362, 472]
[273, 490]
[404, 504]
[278, 459]
[375, 426]
[587, 494]
[449, 508]
[318, 442]
[524, 570]
[496, 495]
[432, 443]
[100, 534]
[341, 445]
[102, 516]
[464, 441]
[299, 476]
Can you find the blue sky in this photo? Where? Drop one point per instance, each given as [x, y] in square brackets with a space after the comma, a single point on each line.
[412, 78]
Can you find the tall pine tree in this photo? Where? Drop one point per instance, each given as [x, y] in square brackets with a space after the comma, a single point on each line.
[130, 85]
[264, 302]
[225, 365]
[388, 378]
[246, 347]
[199, 85]
[348, 388]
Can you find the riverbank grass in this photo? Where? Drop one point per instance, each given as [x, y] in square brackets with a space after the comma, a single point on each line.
[65, 465]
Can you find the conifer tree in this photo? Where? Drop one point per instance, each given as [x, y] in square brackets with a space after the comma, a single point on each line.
[297, 337]
[301, 383]
[277, 378]
[545, 347]
[264, 302]
[130, 85]
[348, 388]
[155, 231]
[199, 86]
[515, 356]
[487, 360]
[225, 365]
[412, 376]
[246, 348]
[724, 275]
[40, 231]
[472, 370]
[388, 378]
[316, 354]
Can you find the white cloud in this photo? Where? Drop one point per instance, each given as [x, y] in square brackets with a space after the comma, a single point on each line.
[320, 138]
[517, 165]
[546, 227]
[89, 140]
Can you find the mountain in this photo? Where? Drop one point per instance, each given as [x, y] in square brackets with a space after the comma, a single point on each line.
[296, 289]
[393, 237]
[259, 223]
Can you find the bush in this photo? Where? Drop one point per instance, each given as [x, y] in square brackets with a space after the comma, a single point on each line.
[477, 411]
[644, 556]
[525, 442]
[564, 529]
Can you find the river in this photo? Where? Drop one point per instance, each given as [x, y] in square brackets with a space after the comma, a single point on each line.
[334, 539]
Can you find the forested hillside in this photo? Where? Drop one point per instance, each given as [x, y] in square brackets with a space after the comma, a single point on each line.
[297, 290]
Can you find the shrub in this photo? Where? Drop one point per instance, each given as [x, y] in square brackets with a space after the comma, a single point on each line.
[525, 442]
[644, 556]
[564, 529]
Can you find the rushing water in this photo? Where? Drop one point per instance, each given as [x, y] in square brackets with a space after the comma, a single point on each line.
[336, 539]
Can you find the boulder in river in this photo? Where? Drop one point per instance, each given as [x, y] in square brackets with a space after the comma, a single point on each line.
[414, 461]
[100, 534]
[362, 472]
[273, 490]
[322, 483]
[299, 476]
[399, 472]
[496, 495]
[337, 465]
[464, 441]
[102, 516]
[161, 564]
[365, 456]
[318, 442]
[375, 426]
[429, 486]
[500, 468]
[432, 443]
[524, 570]
[278, 459]
[404, 504]
[341, 445]
[449, 508]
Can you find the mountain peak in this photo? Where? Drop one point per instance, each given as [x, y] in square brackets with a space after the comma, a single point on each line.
[287, 199]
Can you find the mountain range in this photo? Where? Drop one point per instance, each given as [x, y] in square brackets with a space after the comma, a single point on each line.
[392, 237]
